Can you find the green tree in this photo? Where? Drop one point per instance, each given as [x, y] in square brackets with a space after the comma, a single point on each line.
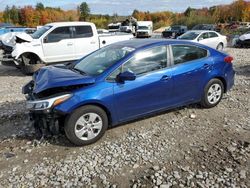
[6, 14]
[39, 6]
[84, 11]
[188, 11]
[14, 14]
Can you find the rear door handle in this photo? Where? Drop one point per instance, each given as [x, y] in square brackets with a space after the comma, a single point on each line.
[165, 77]
[70, 44]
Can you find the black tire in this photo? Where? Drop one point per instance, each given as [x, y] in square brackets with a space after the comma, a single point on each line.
[30, 69]
[71, 120]
[205, 99]
[220, 47]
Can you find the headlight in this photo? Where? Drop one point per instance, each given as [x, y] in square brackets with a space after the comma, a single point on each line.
[47, 103]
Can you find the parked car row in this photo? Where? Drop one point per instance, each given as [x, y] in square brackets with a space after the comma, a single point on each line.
[203, 34]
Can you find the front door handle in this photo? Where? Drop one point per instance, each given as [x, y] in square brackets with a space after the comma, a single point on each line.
[70, 44]
[165, 77]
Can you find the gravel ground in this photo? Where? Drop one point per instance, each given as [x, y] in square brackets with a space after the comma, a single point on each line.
[184, 147]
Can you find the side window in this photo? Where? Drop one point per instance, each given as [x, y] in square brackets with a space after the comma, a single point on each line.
[185, 53]
[83, 31]
[204, 36]
[212, 35]
[59, 34]
[147, 61]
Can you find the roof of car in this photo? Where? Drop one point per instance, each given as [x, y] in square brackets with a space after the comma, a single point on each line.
[141, 43]
[201, 31]
[69, 23]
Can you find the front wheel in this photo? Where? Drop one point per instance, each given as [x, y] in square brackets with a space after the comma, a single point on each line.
[30, 69]
[86, 125]
[213, 93]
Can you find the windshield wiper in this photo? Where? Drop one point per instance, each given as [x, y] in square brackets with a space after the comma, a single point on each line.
[78, 70]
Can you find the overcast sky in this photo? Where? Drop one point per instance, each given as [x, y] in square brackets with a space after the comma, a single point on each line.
[122, 7]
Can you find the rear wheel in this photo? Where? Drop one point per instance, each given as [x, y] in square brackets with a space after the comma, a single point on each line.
[86, 125]
[213, 93]
[220, 47]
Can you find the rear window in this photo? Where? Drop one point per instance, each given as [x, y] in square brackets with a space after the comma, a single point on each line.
[186, 53]
[212, 35]
[83, 31]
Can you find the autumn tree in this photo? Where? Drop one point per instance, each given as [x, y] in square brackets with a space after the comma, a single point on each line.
[246, 13]
[84, 11]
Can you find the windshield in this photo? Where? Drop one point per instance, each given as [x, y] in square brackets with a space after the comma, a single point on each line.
[189, 36]
[114, 27]
[40, 32]
[142, 27]
[175, 28]
[97, 62]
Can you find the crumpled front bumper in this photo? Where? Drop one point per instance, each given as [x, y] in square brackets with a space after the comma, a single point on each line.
[47, 121]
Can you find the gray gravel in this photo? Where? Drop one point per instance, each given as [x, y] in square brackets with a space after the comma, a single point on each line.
[185, 147]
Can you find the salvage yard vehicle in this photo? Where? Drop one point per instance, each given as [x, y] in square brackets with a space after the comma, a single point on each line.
[243, 41]
[174, 31]
[144, 29]
[125, 81]
[59, 42]
[212, 39]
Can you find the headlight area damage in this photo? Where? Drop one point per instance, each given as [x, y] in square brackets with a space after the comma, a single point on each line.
[50, 87]
[46, 119]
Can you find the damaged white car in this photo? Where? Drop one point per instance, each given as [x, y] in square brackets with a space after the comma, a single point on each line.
[59, 42]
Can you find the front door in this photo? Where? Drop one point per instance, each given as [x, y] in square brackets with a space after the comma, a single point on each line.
[151, 90]
[58, 45]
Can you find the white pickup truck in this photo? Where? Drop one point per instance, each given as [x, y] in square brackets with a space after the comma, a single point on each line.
[59, 42]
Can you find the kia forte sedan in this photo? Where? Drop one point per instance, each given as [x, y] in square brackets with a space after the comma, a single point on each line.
[125, 81]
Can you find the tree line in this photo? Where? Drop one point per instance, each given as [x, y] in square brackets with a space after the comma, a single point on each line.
[30, 16]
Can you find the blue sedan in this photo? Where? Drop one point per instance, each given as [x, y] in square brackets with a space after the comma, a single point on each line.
[125, 81]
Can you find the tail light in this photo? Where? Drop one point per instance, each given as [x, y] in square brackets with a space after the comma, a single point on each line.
[228, 59]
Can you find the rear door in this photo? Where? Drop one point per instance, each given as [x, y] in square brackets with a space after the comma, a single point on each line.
[152, 88]
[58, 45]
[214, 39]
[190, 66]
[85, 41]
[204, 39]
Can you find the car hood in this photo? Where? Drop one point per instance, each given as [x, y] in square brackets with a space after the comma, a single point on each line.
[58, 76]
[24, 37]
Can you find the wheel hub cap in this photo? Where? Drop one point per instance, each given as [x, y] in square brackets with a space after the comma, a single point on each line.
[214, 93]
[88, 126]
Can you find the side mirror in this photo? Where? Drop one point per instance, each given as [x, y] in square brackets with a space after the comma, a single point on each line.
[127, 75]
[45, 39]
[200, 38]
